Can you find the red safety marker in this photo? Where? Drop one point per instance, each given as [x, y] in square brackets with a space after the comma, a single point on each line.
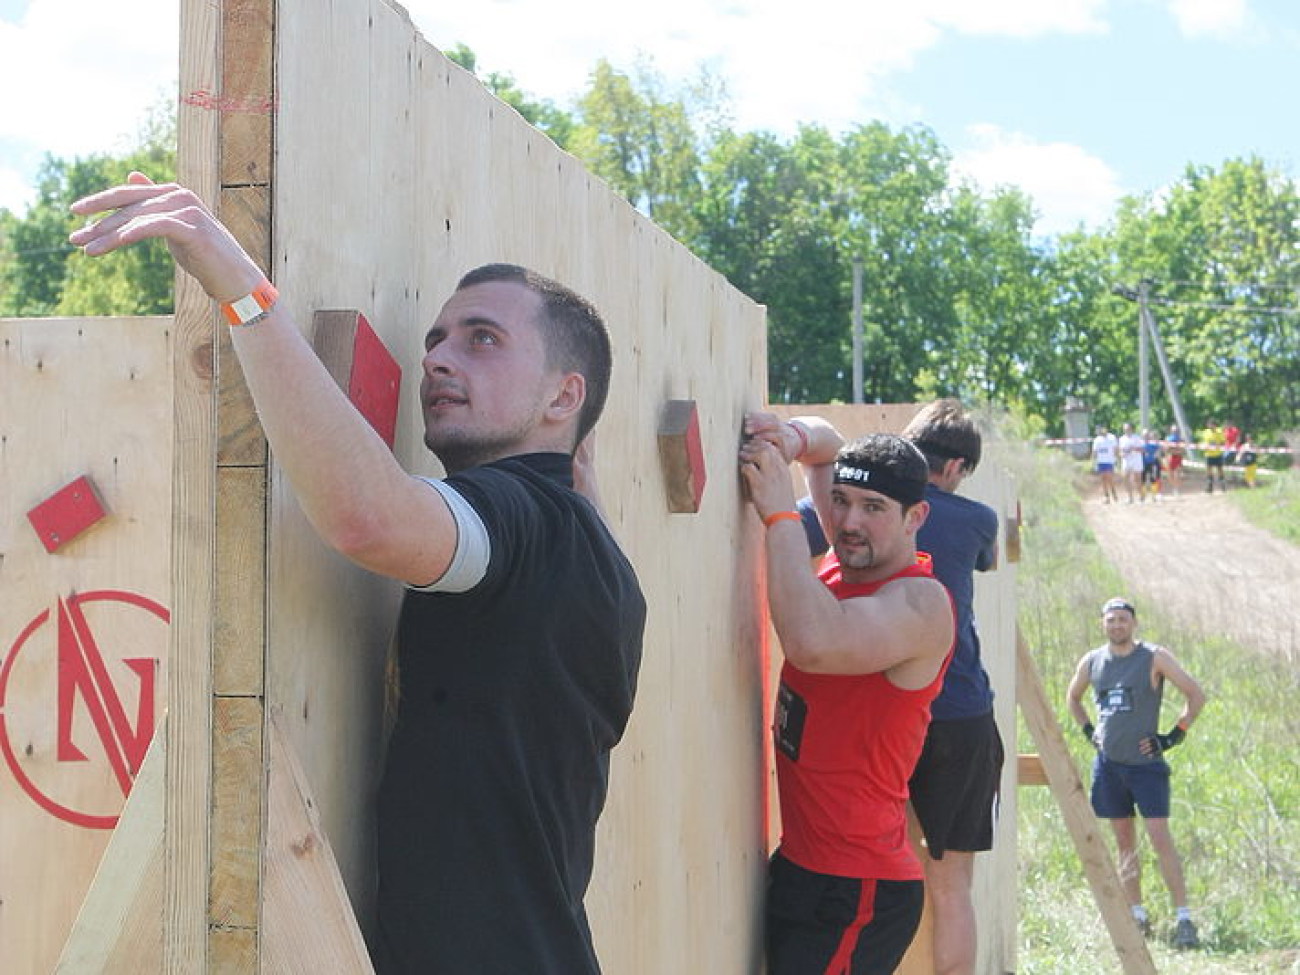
[681, 455]
[66, 514]
[362, 366]
[376, 381]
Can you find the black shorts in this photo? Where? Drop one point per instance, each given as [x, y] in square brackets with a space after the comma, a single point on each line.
[819, 924]
[956, 784]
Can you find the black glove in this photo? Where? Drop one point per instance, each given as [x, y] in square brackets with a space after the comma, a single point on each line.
[1090, 732]
[1162, 743]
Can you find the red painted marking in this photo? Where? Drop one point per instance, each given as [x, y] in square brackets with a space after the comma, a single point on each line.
[375, 384]
[695, 456]
[202, 98]
[82, 672]
[66, 514]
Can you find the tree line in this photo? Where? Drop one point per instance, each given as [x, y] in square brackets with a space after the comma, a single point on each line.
[958, 295]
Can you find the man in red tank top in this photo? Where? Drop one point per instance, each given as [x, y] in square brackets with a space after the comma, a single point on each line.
[866, 642]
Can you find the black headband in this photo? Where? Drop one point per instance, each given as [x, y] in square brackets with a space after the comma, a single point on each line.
[903, 490]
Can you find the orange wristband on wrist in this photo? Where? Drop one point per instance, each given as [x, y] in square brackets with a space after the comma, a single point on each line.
[776, 516]
[252, 308]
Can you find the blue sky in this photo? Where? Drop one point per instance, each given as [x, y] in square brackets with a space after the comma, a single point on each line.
[1076, 101]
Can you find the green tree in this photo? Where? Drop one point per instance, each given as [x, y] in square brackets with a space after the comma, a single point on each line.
[1221, 249]
[764, 222]
[640, 139]
[41, 274]
[542, 114]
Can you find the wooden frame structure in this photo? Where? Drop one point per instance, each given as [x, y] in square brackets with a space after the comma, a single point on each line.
[245, 845]
[365, 172]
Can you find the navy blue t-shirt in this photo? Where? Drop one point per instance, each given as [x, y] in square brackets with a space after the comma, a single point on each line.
[512, 696]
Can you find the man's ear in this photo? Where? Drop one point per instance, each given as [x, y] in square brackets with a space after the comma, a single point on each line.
[915, 516]
[569, 397]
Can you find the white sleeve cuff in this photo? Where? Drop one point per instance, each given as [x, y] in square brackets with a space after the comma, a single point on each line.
[473, 549]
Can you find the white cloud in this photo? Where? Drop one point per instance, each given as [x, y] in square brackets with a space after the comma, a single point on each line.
[1019, 18]
[79, 76]
[1212, 18]
[1069, 186]
[822, 60]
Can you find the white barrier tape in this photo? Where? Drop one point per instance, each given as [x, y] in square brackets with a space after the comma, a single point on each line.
[1057, 442]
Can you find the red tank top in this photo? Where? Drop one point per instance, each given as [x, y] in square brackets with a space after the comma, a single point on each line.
[846, 746]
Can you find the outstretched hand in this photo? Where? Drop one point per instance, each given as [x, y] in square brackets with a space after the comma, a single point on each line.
[142, 209]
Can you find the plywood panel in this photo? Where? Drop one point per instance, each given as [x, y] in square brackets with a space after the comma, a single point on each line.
[84, 630]
[444, 178]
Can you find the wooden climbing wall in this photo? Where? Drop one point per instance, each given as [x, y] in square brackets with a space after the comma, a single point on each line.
[85, 604]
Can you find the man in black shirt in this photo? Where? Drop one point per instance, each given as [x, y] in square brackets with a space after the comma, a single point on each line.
[520, 635]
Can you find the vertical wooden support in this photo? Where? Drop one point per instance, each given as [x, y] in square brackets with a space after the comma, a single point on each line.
[1067, 787]
[188, 793]
[246, 134]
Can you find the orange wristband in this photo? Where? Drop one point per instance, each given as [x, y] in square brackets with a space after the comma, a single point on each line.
[776, 516]
[252, 308]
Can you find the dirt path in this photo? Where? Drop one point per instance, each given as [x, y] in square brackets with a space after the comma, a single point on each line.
[1204, 562]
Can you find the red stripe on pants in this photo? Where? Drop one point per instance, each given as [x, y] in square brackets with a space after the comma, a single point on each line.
[842, 961]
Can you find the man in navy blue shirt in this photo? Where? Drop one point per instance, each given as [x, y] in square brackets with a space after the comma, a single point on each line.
[955, 785]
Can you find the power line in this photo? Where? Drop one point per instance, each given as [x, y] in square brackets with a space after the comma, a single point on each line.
[1219, 306]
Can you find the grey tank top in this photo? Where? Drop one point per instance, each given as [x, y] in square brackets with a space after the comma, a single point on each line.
[1128, 707]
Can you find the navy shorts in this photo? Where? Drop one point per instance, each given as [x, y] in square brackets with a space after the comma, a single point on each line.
[1117, 788]
[955, 786]
[817, 923]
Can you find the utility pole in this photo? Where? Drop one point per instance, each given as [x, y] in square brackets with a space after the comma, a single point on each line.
[1144, 364]
[1147, 330]
[857, 330]
[1149, 323]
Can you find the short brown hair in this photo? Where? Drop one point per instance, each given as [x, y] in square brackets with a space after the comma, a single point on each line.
[573, 332]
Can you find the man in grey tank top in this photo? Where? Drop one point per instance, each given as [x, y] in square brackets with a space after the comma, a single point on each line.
[1129, 773]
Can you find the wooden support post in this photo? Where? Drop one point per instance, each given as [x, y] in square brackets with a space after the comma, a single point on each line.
[1076, 810]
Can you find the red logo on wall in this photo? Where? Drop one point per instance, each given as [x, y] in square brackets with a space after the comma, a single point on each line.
[104, 708]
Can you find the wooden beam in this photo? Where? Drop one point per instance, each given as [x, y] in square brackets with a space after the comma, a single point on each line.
[1076, 810]
[237, 783]
[189, 668]
[119, 930]
[1029, 770]
[307, 920]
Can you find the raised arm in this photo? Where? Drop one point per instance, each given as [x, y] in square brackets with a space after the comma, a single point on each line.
[906, 628]
[350, 486]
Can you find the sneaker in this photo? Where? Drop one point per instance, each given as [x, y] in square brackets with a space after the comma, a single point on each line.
[1185, 935]
[1144, 926]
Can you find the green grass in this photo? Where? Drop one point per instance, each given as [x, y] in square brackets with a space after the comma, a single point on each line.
[1274, 505]
[1236, 815]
